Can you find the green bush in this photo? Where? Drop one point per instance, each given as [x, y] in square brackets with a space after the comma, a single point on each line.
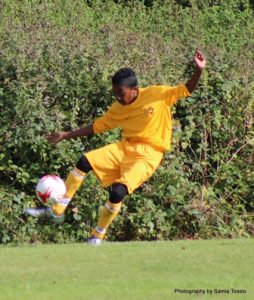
[56, 62]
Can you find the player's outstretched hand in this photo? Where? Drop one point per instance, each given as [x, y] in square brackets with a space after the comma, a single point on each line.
[55, 137]
[200, 60]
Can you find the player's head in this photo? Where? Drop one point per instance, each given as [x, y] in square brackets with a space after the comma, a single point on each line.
[125, 86]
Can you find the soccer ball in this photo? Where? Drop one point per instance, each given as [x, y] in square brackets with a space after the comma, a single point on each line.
[50, 189]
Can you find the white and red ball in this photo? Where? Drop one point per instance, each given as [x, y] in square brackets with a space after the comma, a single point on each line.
[50, 189]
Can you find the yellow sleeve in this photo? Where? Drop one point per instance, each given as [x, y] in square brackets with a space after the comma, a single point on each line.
[106, 122]
[171, 94]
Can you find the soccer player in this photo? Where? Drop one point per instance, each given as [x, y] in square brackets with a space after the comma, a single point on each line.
[144, 114]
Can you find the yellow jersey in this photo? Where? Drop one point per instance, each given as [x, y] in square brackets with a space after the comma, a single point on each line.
[147, 119]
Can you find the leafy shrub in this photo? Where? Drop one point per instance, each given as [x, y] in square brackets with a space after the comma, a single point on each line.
[56, 61]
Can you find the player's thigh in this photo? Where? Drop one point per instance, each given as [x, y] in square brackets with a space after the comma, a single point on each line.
[106, 162]
[135, 172]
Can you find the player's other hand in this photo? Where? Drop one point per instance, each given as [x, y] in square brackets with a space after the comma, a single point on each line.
[55, 137]
[199, 59]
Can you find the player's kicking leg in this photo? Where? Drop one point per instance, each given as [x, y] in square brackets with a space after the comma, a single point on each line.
[56, 211]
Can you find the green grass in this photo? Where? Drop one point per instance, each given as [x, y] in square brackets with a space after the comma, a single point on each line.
[138, 270]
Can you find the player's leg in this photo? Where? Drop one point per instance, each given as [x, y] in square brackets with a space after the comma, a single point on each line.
[105, 162]
[134, 171]
[108, 212]
[73, 182]
[137, 165]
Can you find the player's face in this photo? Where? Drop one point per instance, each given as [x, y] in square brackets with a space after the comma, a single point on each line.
[124, 95]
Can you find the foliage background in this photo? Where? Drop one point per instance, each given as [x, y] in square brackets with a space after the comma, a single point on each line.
[56, 62]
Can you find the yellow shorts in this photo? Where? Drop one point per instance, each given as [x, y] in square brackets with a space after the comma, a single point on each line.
[124, 162]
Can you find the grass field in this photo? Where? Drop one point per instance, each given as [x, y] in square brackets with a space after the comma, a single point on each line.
[138, 270]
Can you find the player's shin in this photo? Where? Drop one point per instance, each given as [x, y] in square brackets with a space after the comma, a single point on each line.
[73, 183]
[107, 214]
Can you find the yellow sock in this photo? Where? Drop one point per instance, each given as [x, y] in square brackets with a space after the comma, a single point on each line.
[73, 182]
[108, 213]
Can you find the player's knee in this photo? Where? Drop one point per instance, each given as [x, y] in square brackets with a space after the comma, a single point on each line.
[84, 165]
[118, 192]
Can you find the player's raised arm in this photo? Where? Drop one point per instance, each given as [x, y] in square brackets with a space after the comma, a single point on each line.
[57, 137]
[200, 63]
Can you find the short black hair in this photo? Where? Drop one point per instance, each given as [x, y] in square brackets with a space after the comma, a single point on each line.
[126, 77]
